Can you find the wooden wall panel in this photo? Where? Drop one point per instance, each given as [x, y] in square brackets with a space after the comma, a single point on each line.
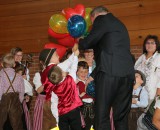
[24, 33]
[2, 2]
[21, 21]
[24, 23]
[89, 3]
[125, 9]
[137, 37]
[150, 21]
[131, 22]
[150, 6]
[29, 45]
[139, 22]
[33, 7]
[142, 21]
[134, 8]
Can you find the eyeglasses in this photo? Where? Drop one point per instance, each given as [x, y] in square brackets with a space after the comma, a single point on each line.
[151, 43]
[18, 55]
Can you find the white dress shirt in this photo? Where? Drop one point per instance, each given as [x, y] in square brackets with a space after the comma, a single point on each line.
[143, 100]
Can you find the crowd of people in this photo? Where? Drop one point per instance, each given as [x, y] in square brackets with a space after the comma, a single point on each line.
[125, 95]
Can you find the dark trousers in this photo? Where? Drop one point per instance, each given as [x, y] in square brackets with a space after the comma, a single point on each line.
[133, 117]
[10, 107]
[72, 119]
[7, 125]
[115, 92]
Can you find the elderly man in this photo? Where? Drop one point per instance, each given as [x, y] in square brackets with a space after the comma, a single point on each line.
[114, 73]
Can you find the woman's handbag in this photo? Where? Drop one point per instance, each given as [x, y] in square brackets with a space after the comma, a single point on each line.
[147, 119]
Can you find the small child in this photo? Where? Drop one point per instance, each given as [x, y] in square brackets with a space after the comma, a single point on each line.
[45, 106]
[11, 94]
[68, 98]
[88, 101]
[89, 57]
[43, 118]
[139, 99]
[20, 69]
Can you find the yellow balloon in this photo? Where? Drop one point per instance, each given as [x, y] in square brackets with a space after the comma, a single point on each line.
[56, 128]
[58, 23]
[87, 17]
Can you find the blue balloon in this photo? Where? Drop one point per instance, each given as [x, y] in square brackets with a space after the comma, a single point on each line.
[76, 26]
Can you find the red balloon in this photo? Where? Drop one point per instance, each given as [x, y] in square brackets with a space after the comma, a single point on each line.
[56, 35]
[61, 50]
[67, 41]
[77, 10]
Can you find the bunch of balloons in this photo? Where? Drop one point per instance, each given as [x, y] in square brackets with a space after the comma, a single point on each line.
[70, 24]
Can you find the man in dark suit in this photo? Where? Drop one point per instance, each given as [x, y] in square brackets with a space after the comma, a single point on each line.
[114, 73]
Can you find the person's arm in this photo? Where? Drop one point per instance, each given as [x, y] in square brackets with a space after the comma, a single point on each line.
[156, 116]
[40, 89]
[65, 66]
[37, 82]
[0, 87]
[28, 88]
[143, 103]
[67, 63]
[97, 32]
[54, 106]
[73, 69]
[27, 74]
[21, 89]
[81, 87]
[157, 70]
[158, 91]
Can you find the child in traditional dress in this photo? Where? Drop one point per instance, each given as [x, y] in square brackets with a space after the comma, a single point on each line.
[43, 118]
[11, 94]
[88, 101]
[139, 100]
[20, 69]
[68, 98]
[48, 58]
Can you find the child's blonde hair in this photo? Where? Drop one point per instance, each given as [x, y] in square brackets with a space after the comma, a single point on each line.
[8, 61]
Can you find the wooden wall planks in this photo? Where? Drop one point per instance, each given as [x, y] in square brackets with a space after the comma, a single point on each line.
[24, 23]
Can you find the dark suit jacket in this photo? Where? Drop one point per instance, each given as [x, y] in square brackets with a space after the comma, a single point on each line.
[110, 40]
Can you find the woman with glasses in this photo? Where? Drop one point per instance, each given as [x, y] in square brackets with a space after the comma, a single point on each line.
[149, 64]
